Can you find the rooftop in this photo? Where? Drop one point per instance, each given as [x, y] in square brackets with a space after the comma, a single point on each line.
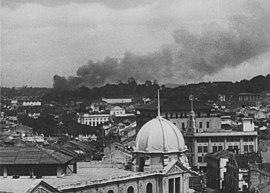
[31, 155]
[169, 105]
[221, 154]
[84, 174]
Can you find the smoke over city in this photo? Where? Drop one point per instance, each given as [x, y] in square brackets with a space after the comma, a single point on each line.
[192, 56]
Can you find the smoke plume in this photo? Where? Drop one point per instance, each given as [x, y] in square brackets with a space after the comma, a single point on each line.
[192, 56]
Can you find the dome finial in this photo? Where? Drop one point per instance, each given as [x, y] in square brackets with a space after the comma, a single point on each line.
[158, 105]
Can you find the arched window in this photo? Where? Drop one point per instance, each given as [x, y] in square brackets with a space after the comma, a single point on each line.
[149, 188]
[110, 191]
[130, 189]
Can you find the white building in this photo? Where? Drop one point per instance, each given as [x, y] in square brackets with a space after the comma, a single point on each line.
[31, 103]
[117, 111]
[92, 119]
[117, 100]
[201, 142]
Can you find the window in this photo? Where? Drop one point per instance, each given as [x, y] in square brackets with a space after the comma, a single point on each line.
[177, 185]
[220, 148]
[215, 149]
[200, 124]
[230, 147]
[207, 124]
[200, 159]
[250, 148]
[130, 189]
[205, 149]
[248, 138]
[183, 125]
[245, 148]
[110, 191]
[202, 140]
[149, 188]
[200, 149]
[217, 139]
[171, 186]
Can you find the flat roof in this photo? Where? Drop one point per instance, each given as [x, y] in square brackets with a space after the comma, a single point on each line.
[230, 133]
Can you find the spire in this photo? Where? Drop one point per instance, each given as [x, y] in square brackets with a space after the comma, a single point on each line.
[192, 122]
[158, 105]
[191, 102]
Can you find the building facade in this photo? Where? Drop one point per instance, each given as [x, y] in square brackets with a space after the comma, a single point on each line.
[216, 168]
[201, 142]
[160, 164]
[92, 119]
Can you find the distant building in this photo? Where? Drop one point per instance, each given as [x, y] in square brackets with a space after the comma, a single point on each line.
[249, 98]
[118, 156]
[177, 112]
[259, 173]
[264, 150]
[98, 106]
[236, 177]
[117, 100]
[31, 103]
[92, 119]
[34, 115]
[117, 111]
[216, 167]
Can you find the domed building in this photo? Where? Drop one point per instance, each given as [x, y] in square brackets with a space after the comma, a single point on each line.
[160, 166]
[159, 142]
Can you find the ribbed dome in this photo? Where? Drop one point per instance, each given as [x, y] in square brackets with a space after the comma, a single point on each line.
[160, 136]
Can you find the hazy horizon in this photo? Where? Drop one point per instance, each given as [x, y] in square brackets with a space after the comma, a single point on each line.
[182, 41]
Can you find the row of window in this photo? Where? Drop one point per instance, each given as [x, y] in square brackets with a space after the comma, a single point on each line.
[149, 189]
[202, 159]
[204, 149]
[222, 139]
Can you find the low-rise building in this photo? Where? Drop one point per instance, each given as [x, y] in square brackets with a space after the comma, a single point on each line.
[259, 173]
[121, 100]
[32, 161]
[92, 119]
[236, 178]
[31, 103]
[117, 111]
[216, 167]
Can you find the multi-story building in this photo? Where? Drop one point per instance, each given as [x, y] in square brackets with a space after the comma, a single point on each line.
[178, 111]
[202, 129]
[201, 142]
[92, 119]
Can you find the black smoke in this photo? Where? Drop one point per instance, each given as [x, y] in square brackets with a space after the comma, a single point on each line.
[191, 57]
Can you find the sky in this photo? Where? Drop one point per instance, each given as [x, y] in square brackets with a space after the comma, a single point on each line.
[42, 38]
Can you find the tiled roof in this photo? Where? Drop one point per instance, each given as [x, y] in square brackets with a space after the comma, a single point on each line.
[31, 155]
[170, 105]
[244, 160]
[264, 145]
[221, 154]
[264, 167]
